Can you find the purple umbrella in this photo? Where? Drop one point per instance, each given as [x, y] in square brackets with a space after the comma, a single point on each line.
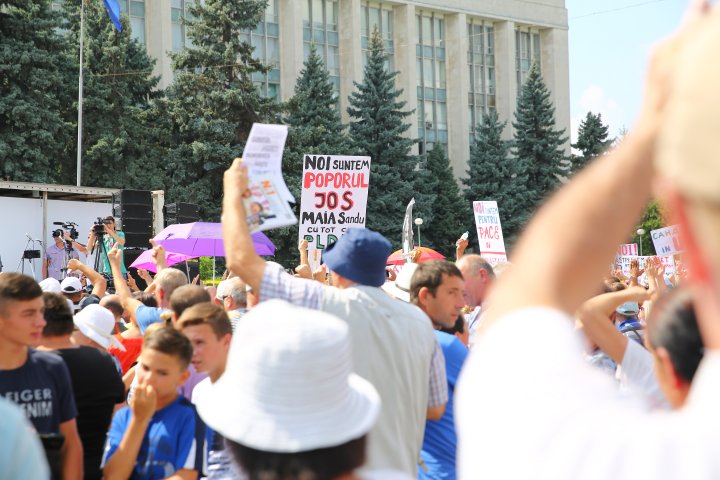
[145, 260]
[201, 239]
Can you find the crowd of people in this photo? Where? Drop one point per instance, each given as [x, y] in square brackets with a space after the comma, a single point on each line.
[552, 367]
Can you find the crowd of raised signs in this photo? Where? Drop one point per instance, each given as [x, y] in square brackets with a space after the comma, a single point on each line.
[551, 366]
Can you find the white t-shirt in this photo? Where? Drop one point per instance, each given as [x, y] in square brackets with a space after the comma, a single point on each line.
[528, 406]
[637, 372]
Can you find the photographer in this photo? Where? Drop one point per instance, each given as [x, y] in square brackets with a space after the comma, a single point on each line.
[109, 238]
[59, 253]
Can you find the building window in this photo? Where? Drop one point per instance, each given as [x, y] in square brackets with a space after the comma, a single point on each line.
[320, 27]
[380, 16]
[481, 65]
[527, 51]
[265, 39]
[431, 83]
[179, 11]
[135, 9]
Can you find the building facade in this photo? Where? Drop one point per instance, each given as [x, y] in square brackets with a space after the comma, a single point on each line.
[456, 59]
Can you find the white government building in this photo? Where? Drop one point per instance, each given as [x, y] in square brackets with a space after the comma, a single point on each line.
[455, 58]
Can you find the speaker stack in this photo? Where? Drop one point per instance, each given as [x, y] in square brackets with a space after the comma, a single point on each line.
[134, 208]
[181, 213]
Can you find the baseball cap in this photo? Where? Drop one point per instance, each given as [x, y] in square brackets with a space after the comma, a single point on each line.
[628, 309]
[71, 285]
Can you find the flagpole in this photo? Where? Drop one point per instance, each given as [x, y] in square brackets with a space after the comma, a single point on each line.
[80, 95]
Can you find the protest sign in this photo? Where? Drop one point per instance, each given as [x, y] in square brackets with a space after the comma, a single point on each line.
[489, 231]
[623, 263]
[666, 241]
[266, 199]
[334, 197]
[628, 249]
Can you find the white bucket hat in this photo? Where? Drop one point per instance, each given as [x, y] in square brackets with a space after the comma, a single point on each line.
[288, 386]
[97, 323]
[400, 288]
[50, 284]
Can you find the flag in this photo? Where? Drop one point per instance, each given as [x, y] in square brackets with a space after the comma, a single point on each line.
[113, 9]
[407, 232]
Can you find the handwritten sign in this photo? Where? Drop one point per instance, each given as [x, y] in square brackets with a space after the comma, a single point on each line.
[489, 231]
[628, 249]
[623, 263]
[334, 197]
[666, 241]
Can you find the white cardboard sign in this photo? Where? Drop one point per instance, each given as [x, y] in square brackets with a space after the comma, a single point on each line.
[489, 231]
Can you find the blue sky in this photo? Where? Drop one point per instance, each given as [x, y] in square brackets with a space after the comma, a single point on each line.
[610, 42]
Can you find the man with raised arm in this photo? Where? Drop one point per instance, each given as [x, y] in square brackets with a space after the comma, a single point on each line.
[393, 342]
[528, 406]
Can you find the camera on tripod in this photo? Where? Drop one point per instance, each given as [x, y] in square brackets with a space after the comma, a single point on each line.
[69, 226]
[99, 227]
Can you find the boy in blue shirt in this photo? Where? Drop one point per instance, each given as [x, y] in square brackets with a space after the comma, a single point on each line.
[160, 435]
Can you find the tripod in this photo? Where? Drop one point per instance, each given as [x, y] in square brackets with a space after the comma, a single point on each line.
[68, 254]
[99, 245]
[29, 255]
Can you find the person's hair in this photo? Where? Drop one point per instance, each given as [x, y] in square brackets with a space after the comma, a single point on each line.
[146, 298]
[169, 341]
[237, 290]
[58, 316]
[109, 218]
[430, 275]
[169, 279]
[74, 296]
[207, 314]
[18, 287]
[320, 464]
[475, 264]
[114, 305]
[610, 286]
[458, 327]
[186, 296]
[672, 325]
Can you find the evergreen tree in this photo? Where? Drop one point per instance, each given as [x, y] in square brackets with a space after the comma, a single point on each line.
[212, 102]
[539, 145]
[33, 81]
[377, 129]
[445, 219]
[117, 94]
[315, 128]
[493, 175]
[592, 141]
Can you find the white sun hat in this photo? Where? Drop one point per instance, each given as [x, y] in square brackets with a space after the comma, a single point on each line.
[51, 284]
[288, 386]
[97, 323]
[400, 288]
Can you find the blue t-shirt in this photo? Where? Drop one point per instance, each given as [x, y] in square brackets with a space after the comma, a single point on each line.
[146, 316]
[174, 440]
[440, 442]
[42, 389]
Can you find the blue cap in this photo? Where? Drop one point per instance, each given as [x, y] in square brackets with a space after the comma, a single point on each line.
[628, 309]
[360, 255]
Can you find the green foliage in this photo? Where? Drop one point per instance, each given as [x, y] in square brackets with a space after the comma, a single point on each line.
[539, 145]
[212, 103]
[493, 175]
[34, 76]
[315, 128]
[117, 94]
[592, 141]
[652, 219]
[377, 129]
[444, 219]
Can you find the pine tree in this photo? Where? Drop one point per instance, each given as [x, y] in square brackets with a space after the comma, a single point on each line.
[539, 145]
[592, 141]
[212, 102]
[377, 129]
[445, 219]
[33, 82]
[494, 175]
[117, 94]
[315, 128]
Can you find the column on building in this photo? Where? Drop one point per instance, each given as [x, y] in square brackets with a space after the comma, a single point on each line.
[554, 52]
[351, 65]
[406, 80]
[291, 45]
[158, 38]
[458, 85]
[505, 74]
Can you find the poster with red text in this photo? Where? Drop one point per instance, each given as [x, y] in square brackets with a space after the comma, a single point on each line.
[489, 231]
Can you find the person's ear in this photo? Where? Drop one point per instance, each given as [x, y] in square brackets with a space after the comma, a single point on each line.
[423, 295]
[184, 377]
[667, 366]
[227, 340]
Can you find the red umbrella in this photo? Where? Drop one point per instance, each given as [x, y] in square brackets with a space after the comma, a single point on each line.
[425, 254]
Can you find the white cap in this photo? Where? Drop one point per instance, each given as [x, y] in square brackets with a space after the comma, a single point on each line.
[288, 386]
[220, 291]
[71, 285]
[51, 284]
[400, 288]
[97, 323]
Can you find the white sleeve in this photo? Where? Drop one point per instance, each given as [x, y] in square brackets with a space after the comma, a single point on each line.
[638, 369]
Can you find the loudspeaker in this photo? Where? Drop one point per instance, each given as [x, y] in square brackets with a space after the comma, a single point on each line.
[134, 208]
[181, 213]
[193, 267]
